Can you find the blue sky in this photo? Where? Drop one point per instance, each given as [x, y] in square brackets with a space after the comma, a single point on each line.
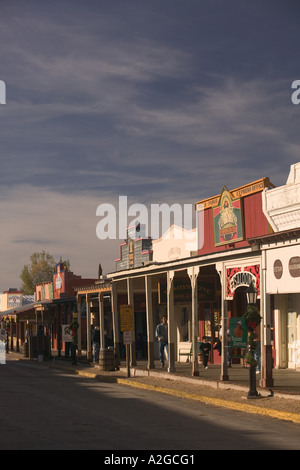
[161, 101]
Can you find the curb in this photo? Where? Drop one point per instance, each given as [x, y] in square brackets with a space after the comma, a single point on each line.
[252, 409]
[295, 418]
[282, 415]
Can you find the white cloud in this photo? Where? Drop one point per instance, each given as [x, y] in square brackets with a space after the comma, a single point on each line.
[35, 219]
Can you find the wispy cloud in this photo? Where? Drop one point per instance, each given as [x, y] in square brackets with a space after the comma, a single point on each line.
[143, 99]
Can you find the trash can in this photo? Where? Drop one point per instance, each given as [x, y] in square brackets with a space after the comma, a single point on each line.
[107, 359]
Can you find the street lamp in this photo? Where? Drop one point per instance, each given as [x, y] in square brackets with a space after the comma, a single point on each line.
[253, 319]
[251, 294]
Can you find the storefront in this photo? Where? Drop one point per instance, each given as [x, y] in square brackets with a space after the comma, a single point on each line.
[283, 281]
[201, 289]
[281, 257]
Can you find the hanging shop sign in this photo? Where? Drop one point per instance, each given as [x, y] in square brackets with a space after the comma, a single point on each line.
[238, 332]
[66, 334]
[242, 276]
[227, 219]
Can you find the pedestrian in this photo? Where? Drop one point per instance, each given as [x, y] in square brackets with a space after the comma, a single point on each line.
[218, 346]
[96, 343]
[205, 347]
[161, 334]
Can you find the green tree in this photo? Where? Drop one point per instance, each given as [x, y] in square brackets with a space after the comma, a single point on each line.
[41, 267]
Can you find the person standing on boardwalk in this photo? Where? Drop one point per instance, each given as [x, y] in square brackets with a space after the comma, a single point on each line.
[161, 334]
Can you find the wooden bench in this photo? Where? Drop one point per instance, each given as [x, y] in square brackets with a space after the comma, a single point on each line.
[186, 352]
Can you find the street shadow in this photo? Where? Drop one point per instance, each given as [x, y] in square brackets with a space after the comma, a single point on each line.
[51, 409]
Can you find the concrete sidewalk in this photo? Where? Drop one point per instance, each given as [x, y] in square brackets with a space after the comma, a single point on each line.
[286, 381]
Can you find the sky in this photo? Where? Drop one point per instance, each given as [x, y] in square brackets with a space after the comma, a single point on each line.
[162, 101]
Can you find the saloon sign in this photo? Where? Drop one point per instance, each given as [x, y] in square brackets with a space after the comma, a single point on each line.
[242, 276]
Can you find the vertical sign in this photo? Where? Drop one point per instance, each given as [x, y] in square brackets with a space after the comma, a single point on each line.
[238, 332]
[126, 318]
[227, 219]
[126, 326]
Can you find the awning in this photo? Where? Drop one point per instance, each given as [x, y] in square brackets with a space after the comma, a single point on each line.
[10, 316]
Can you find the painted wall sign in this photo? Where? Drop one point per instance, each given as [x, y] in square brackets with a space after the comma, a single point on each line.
[206, 290]
[238, 277]
[278, 269]
[294, 266]
[58, 282]
[227, 219]
[246, 190]
[14, 301]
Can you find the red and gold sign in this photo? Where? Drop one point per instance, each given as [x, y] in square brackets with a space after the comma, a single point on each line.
[237, 277]
[227, 219]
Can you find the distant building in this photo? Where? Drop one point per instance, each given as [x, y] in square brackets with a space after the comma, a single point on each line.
[13, 298]
[136, 249]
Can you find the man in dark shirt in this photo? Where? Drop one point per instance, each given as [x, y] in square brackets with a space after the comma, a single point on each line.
[161, 334]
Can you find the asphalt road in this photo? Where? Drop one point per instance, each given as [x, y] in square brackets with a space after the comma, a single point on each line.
[47, 409]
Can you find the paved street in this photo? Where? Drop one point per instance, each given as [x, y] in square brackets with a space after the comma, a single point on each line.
[50, 409]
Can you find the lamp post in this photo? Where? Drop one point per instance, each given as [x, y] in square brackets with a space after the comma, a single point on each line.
[253, 319]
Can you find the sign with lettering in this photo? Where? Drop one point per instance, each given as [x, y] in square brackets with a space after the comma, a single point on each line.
[242, 276]
[238, 332]
[14, 300]
[294, 266]
[127, 337]
[66, 334]
[126, 318]
[251, 188]
[227, 219]
[206, 290]
[278, 269]
[283, 270]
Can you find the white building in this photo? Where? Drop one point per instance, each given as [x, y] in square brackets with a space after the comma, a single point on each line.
[281, 260]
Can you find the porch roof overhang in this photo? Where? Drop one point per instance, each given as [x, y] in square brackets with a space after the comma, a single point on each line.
[275, 237]
[181, 264]
[17, 311]
[99, 287]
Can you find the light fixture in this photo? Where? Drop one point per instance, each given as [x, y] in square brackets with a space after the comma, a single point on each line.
[251, 294]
